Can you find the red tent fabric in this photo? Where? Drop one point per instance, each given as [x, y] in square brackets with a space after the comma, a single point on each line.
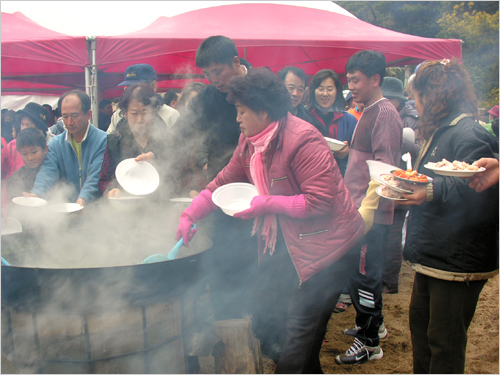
[272, 35]
[39, 57]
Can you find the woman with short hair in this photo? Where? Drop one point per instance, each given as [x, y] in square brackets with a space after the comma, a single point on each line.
[307, 226]
[140, 134]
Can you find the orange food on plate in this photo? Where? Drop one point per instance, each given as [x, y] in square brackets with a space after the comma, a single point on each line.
[410, 175]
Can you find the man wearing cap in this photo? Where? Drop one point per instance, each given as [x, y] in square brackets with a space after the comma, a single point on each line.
[144, 73]
[75, 156]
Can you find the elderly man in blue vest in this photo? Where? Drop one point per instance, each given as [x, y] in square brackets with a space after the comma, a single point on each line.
[75, 156]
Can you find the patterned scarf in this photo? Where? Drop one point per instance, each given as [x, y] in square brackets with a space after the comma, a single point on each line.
[269, 223]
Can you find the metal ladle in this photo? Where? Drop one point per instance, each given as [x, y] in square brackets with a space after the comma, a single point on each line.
[172, 254]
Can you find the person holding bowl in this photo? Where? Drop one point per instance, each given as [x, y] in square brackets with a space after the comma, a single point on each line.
[141, 134]
[327, 106]
[452, 235]
[308, 228]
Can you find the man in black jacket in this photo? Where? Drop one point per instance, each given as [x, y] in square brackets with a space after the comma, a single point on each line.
[295, 81]
[207, 131]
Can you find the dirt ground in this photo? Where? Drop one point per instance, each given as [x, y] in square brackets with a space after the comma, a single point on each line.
[482, 349]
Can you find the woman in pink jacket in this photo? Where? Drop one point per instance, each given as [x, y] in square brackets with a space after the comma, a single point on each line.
[305, 219]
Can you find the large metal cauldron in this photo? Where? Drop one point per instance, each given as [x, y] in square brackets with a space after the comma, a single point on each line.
[125, 319]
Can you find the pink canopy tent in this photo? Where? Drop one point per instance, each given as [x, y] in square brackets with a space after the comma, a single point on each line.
[271, 35]
[39, 60]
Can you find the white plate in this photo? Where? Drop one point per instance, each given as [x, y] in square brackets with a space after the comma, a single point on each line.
[334, 144]
[377, 168]
[137, 177]
[29, 201]
[66, 208]
[384, 182]
[181, 200]
[379, 192]
[447, 172]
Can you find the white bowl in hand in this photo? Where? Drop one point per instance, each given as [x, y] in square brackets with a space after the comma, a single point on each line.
[234, 197]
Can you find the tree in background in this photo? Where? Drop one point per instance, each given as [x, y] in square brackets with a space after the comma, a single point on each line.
[476, 23]
[479, 31]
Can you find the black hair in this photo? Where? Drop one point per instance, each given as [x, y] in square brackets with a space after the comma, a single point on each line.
[186, 93]
[30, 137]
[297, 71]
[171, 95]
[442, 87]
[216, 49]
[84, 99]
[103, 103]
[39, 122]
[368, 62]
[320, 76]
[48, 107]
[261, 90]
[143, 93]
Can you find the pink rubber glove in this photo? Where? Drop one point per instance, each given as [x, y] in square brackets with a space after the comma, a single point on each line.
[200, 207]
[293, 206]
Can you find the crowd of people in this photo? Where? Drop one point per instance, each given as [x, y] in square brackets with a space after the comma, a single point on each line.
[317, 238]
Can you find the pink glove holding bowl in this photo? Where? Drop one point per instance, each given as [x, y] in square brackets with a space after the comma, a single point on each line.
[293, 206]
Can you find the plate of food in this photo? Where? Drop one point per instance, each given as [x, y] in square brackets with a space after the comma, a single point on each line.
[454, 169]
[411, 177]
[388, 193]
[335, 144]
[393, 183]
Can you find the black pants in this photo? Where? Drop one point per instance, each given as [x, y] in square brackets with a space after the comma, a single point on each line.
[309, 311]
[440, 315]
[277, 279]
[392, 254]
[365, 284]
[231, 267]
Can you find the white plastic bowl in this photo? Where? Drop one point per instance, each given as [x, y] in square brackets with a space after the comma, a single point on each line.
[29, 201]
[235, 197]
[334, 144]
[126, 203]
[137, 177]
[11, 225]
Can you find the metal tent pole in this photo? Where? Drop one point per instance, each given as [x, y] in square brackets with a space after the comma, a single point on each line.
[91, 83]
